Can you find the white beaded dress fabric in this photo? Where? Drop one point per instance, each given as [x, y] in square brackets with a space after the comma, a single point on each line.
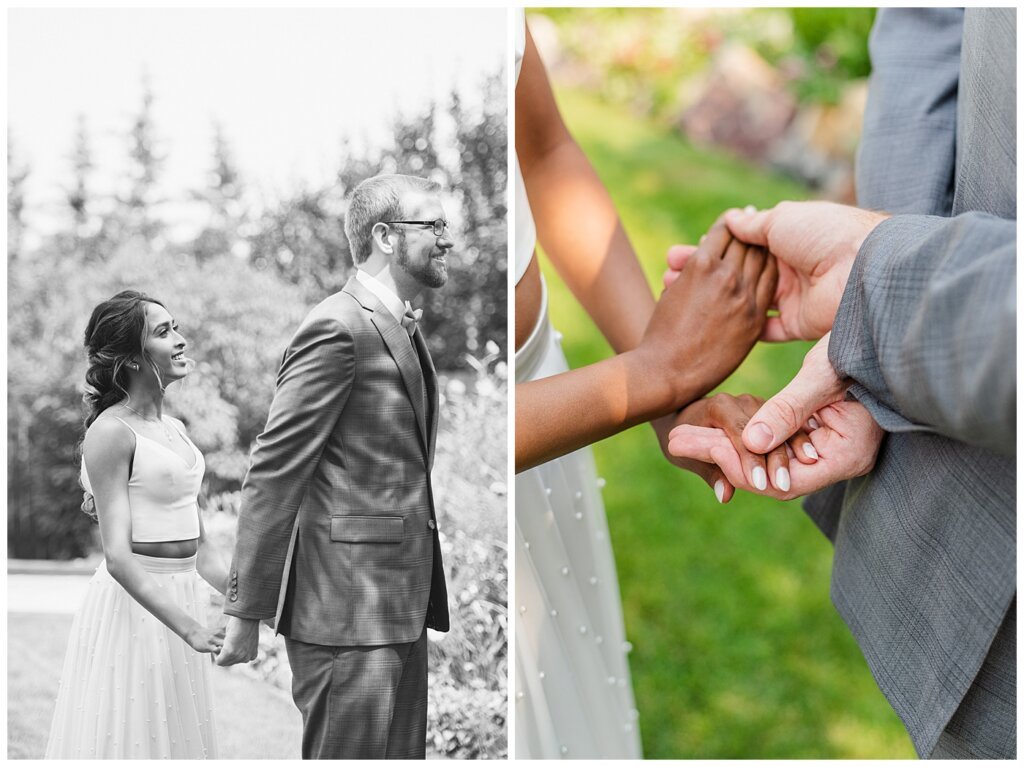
[574, 697]
[131, 688]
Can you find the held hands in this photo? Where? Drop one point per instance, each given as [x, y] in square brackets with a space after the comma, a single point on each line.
[241, 642]
[815, 243]
[205, 639]
[733, 433]
[707, 321]
[723, 439]
[728, 415]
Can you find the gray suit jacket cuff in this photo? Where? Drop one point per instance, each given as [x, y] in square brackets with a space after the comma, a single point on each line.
[927, 327]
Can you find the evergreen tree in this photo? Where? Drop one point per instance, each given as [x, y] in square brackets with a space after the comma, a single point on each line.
[16, 175]
[137, 205]
[82, 165]
[224, 198]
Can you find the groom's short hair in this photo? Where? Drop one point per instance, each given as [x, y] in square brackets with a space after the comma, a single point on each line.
[377, 199]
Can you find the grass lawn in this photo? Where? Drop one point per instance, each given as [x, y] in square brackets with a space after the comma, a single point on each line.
[738, 650]
[254, 720]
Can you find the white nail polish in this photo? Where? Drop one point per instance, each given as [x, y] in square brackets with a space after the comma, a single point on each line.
[750, 209]
[782, 479]
[813, 423]
[760, 478]
[719, 490]
[809, 451]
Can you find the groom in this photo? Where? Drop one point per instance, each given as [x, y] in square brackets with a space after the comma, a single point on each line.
[337, 535]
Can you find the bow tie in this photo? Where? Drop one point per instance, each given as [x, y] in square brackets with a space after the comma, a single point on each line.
[410, 318]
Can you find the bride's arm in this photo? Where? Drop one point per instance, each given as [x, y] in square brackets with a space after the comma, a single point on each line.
[210, 564]
[577, 223]
[108, 450]
[698, 334]
[702, 331]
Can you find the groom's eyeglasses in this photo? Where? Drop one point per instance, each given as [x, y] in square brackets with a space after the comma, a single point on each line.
[438, 226]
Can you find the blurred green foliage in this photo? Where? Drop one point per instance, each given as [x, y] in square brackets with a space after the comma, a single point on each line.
[738, 652]
[833, 44]
[649, 58]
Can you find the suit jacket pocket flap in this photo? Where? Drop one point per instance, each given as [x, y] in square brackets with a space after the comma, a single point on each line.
[367, 529]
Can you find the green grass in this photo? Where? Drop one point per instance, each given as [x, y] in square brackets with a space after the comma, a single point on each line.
[254, 720]
[738, 650]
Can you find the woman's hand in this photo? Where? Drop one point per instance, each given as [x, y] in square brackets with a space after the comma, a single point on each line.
[203, 639]
[709, 318]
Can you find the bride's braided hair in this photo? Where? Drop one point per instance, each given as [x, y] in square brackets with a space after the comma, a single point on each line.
[115, 334]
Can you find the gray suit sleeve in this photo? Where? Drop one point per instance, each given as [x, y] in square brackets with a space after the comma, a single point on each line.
[927, 327]
[312, 388]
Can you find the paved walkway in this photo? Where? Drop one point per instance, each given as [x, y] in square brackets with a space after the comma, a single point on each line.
[45, 593]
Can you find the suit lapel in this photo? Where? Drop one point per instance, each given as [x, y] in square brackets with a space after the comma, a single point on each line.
[396, 338]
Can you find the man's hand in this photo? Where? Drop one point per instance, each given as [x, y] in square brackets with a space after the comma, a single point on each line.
[815, 386]
[816, 244]
[241, 642]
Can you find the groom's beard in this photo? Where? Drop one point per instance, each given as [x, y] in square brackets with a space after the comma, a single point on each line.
[431, 273]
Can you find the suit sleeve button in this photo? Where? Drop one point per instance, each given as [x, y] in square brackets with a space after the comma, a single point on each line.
[432, 525]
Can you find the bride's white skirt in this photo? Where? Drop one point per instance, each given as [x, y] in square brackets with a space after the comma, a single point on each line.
[130, 687]
[574, 697]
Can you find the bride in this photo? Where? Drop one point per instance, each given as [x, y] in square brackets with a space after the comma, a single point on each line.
[135, 681]
[573, 694]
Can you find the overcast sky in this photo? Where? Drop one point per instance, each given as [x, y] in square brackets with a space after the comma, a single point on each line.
[285, 85]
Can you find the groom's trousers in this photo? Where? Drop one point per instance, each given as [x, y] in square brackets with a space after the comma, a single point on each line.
[361, 702]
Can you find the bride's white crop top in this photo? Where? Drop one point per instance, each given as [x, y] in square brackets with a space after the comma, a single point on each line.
[162, 491]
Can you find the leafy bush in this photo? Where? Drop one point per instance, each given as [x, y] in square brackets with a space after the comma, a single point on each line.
[648, 58]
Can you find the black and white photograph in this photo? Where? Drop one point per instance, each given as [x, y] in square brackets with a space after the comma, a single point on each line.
[257, 383]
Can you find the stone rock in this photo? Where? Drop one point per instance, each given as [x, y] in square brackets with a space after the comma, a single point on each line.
[742, 105]
[821, 143]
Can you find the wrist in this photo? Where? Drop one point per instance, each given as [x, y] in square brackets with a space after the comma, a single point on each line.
[662, 387]
[191, 630]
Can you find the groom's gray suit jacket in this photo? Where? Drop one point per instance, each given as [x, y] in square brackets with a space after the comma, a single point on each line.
[337, 535]
[925, 545]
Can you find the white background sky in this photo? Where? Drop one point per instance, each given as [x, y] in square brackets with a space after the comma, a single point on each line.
[286, 86]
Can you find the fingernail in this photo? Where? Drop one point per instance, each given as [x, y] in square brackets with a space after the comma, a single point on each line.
[760, 478]
[813, 423]
[719, 490]
[761, 436]
[702, 238]
[782, 479]
[810, 452]
[750, 209]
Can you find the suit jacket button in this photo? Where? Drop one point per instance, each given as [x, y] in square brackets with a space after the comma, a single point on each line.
[432, 525]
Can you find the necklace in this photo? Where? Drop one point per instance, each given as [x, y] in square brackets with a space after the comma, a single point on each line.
[167, 431]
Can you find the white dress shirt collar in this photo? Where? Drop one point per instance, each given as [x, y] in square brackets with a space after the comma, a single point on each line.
[392, 302]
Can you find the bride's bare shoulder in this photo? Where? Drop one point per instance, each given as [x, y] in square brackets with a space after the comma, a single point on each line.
[108, 435]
